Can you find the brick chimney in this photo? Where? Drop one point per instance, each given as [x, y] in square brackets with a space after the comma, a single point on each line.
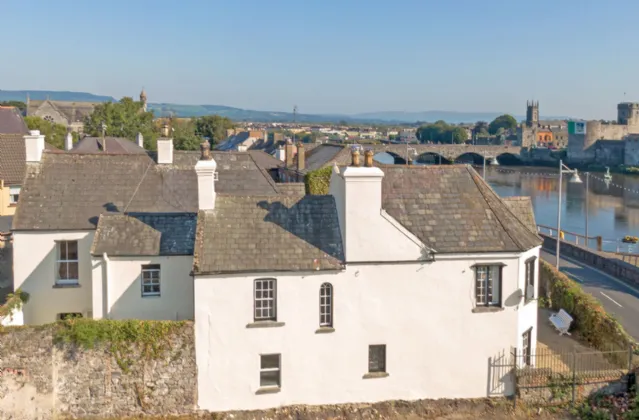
[205, 171]
[301, 157]
[34, 146]
[288, 151]
[165, 147]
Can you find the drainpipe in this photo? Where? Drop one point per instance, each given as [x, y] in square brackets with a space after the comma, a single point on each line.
[107, 308]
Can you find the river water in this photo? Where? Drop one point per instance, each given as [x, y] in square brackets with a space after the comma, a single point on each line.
[613, 207]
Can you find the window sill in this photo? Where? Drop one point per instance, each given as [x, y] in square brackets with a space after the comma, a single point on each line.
[325, 330]
[13, 205]
[375, 375]
[151, 296]
[268, 390]
[487, 309]
[66, 285]
[265, 324]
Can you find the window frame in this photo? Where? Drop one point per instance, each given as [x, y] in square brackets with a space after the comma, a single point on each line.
[12, 189]
[67, 261]
[151, 268]
[526, 347]
[272, 300]
[278, 369]
[530, 272]
[497, 269]
[326, 309]
[371, 349]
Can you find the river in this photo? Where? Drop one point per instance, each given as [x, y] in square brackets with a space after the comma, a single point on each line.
[613, 207]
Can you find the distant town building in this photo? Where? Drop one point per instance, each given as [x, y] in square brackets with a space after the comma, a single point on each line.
[538, 133]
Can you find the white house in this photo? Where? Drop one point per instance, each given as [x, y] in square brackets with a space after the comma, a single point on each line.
[137, 263]
[400, 284]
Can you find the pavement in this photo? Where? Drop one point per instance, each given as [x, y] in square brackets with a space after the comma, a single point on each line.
[618, 298]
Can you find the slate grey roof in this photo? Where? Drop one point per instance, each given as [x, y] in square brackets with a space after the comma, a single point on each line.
[325, 154]
[144, 234]
[13, 158]
[451, 209]
[73, 111]
[112, 145]
[523, 209]
[11, 121]
[260, 234]
[68, 191]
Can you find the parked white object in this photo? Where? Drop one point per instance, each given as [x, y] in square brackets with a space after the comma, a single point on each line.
[561, 321]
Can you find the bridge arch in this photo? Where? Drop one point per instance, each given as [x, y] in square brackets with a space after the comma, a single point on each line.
[431, 158]
[389, 158]
[508, 158]
[470, 157]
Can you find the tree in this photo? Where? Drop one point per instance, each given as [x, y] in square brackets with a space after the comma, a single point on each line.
[54, 134]
[505, 121]
[459, 135]
[441, 132]
[481, 128]
[122, 119]
[183, 133]
[20, 105]
[213, 128]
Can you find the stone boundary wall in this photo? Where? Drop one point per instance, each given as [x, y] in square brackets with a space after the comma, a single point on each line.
[613, 266]
[43, 380]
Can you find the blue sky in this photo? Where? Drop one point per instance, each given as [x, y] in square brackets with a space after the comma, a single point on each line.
[577, 57]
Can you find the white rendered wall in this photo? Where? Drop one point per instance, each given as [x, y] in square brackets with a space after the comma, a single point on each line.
[436, 346]
[35, 268]
[528, 311]
[122, 297]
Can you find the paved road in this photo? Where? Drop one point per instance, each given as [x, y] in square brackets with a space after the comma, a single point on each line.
[617, 298]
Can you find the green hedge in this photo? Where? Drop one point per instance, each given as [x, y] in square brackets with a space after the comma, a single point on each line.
[592, 323]
[14, 301]
[317, 181]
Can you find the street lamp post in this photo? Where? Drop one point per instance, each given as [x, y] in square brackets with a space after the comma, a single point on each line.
[575, 179]
[587, 192]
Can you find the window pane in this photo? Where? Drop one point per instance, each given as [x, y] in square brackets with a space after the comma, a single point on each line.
[62, 271]
[270, 378]
[72, 270]
[62, 246]
[72, 250]
[270, 361]
[377, 358]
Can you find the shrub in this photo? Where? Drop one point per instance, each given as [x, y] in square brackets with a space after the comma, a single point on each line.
[317, 181]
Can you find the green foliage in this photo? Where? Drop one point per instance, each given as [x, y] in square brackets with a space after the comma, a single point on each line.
[505, 121]
[122, 119]
[594, 325]
[481, 129]
[307, 137]
[120, 338]
[54, 134]
[14, 301]
[184, 137]
[318, 181]
[213, 128]
[18, 104]
[441, 132]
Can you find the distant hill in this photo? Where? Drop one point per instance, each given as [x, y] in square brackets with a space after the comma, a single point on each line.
[239, 114]
[40, 95]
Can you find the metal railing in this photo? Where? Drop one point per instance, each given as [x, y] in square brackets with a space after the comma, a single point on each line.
[612, 246]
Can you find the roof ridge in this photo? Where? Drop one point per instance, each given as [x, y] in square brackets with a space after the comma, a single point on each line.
[481, 186]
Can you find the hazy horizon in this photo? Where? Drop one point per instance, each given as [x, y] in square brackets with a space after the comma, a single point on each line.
[332, 57]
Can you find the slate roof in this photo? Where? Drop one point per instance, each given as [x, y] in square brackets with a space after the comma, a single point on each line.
[523, 209]
[144, 234]
[73, 111]
[451, 209]
[262, 234]
[13, 158]
[68, 191]
[325, 154]
[11, 122]
[112, 145]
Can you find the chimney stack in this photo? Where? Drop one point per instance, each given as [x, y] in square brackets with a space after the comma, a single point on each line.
[301, 157]
[355, 158]
[368, 158]
[68, 142]
[139, 139]
[288, 151]
[34, 145]
[165, 147]
[205, 171]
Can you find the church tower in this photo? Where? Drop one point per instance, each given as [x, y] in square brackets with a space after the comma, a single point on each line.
[143, 99]
[532, 113]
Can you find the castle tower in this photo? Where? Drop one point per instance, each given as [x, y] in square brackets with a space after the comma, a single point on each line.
[532, 113]
[628, 113]
[143, 99]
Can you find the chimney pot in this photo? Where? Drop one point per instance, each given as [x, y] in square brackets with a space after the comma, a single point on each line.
[355, 158]
[165, 130]
[368, 158]
[205, 151]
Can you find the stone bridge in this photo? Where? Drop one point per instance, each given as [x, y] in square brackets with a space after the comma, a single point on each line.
[450, 152]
